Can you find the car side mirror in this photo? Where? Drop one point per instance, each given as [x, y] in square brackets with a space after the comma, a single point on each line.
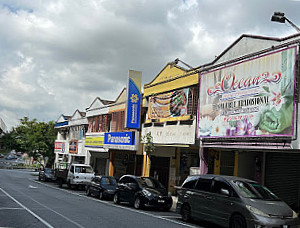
[224, 192]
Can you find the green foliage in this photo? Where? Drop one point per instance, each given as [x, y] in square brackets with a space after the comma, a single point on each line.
[148, 141]
[33, 137]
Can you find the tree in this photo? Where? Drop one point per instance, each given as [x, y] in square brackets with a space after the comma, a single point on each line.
[33, 137]
[148, 141]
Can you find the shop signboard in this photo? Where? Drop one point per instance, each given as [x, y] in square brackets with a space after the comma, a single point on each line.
[254, 98]
[73, 147]
[133, 101]
[119, 138]
[172, 134]
[172, 104]
[94, 141]
[59, 147]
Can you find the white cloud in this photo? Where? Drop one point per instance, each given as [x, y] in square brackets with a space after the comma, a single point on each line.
[58, 55]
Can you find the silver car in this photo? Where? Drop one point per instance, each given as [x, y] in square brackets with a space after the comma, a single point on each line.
[233, 202]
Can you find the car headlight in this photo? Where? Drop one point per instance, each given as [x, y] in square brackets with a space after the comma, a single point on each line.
[256, 211]
[295, 215]
[146, 193]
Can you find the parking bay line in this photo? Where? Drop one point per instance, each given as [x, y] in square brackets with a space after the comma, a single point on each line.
[31, 212]
[120, 206]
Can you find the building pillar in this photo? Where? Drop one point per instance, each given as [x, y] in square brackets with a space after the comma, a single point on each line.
[203, 160]
[236, 163]
[146, 165]
[111, 164]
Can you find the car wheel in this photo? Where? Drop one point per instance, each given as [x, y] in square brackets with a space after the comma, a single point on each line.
[186, 213]
[238, 221]
[88, 192]
[101, 195]
[116, 198]
[69, 184]
[137, 203]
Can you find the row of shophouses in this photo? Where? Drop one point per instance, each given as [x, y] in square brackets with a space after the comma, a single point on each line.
[237, 115]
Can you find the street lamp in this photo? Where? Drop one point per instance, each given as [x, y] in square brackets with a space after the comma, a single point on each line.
[279, 17]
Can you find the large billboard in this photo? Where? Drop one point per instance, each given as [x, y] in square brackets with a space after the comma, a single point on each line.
[254, 98]
[172, 104]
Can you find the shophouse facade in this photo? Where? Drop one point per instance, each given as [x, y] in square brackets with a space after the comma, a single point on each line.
[248, 113]
[69, 145]
[171, 101]
[61, 147]
[123, 144]
[78, 124]
[99, 121]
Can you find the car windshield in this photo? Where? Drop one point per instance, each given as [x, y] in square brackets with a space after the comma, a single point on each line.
[254, 190]
[149, 182]
[108, 181]
[83, 169]
[49, 171]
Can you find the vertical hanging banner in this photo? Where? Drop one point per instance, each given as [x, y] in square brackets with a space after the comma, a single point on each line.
[133, 101]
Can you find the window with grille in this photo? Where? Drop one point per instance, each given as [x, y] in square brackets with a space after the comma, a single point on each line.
[193, 100]
[117, 122]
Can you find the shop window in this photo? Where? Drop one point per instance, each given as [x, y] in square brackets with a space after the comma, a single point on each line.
[193, 101]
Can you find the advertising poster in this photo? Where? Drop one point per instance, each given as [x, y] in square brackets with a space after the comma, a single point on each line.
[254, 98]
[73, 146]
[172, 104]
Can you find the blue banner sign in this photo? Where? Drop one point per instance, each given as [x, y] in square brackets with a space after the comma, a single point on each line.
[133, 101]
[119, 138]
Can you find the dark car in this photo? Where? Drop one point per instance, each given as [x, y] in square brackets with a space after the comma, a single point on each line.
[142, 192]
[102, 186]
[47, 174]
[233, 202]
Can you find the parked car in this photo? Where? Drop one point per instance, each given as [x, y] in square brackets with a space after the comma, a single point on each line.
[102, 186]
[47, 174]
[9, 157]
[232, 202]
[142, 192]
[74, 175]
[1, 155]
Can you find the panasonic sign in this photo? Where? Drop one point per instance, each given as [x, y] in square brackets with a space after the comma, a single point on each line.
[119, 138]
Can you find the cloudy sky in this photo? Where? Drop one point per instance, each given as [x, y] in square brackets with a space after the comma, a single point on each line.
[59, 55]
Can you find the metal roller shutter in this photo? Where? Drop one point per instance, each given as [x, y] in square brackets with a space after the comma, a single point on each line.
[282, 176]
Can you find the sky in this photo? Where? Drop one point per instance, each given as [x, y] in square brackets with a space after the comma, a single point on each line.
[57, 56]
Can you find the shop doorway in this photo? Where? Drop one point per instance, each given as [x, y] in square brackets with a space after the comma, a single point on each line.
[100, 166]
[160, 167]
[139, 165]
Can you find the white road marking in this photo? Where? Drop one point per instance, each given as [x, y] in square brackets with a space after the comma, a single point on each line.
[31, 212]
[11, 208]
[169, 216]
[115, 205]
[30, 186]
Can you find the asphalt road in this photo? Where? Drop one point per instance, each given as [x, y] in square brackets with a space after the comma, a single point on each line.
[26, 202]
